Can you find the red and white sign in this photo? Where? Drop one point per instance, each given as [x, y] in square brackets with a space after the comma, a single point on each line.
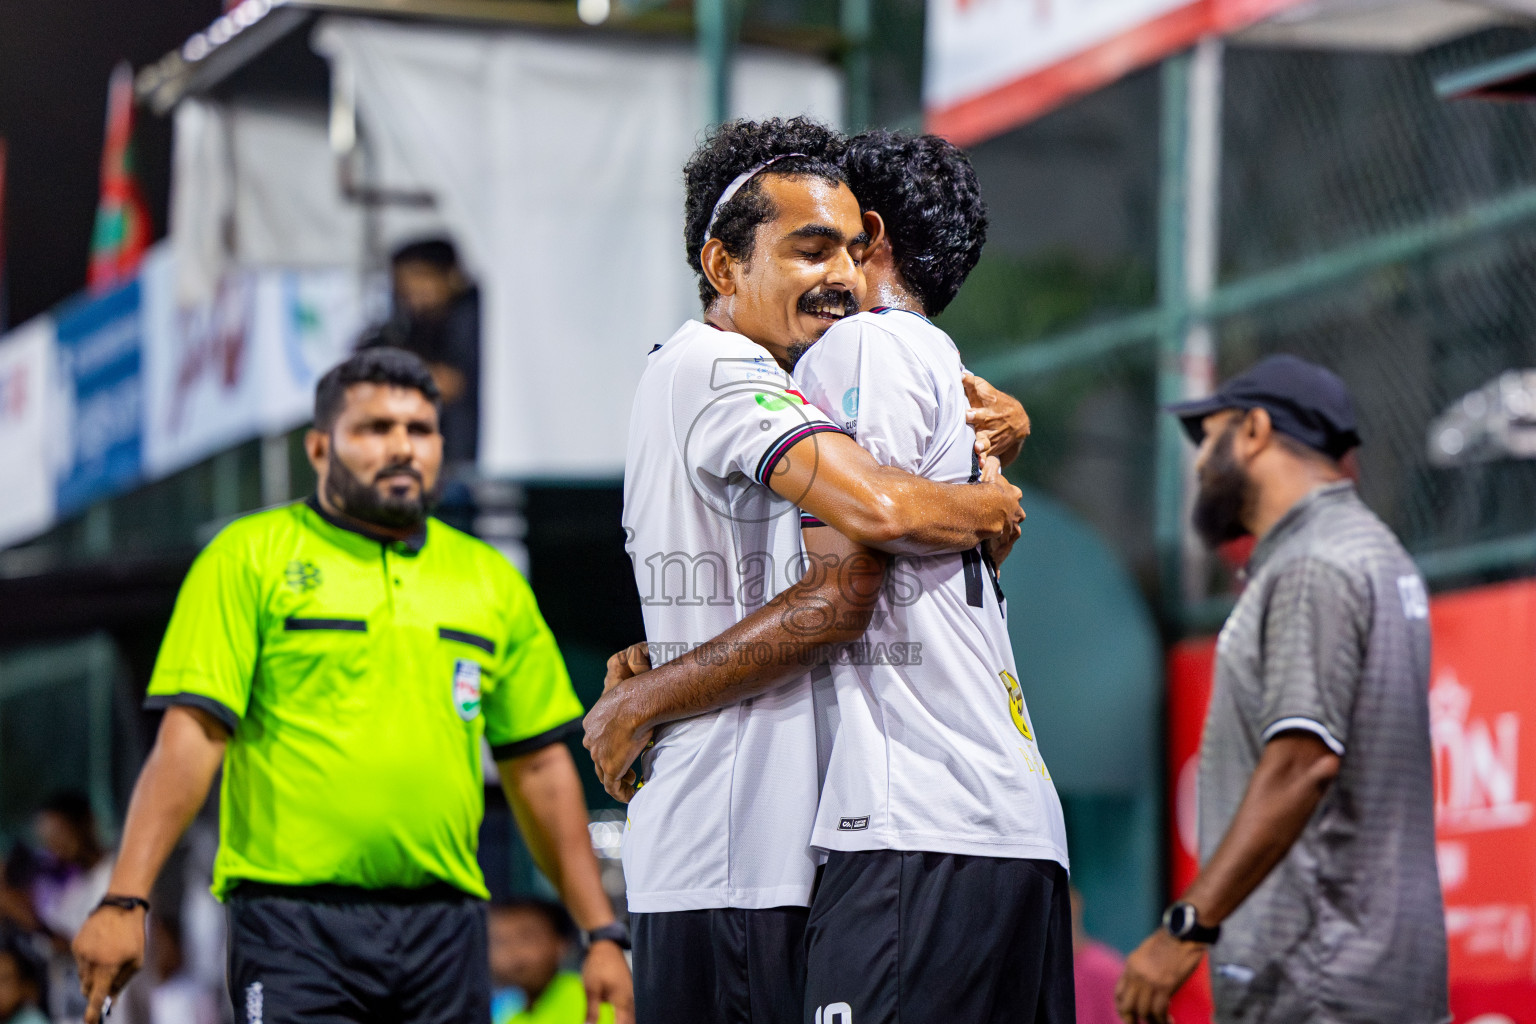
[1483, 726]
[992, 65]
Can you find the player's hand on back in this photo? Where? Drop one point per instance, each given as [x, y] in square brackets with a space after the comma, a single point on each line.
[109, 950]
[992, 474]
[631, 661]
[1000, 420]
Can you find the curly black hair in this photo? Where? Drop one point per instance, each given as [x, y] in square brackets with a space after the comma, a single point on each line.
[926, 191]
[732, 149]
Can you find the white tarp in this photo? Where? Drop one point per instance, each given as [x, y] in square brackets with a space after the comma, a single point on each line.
[242, 364]
[27, 357]
[556, 164]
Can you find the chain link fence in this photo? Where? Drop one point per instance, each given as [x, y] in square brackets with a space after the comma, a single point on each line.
[1364, 224]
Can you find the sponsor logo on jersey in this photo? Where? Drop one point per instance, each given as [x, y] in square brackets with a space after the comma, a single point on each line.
[302, 576]
[255, 998]
[858, 824]
[773, 402]
[851, 402]
[1016, 703]
[466, 688]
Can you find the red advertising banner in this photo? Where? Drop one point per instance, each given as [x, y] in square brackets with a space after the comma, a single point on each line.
[1190, 666]
[1483, 725]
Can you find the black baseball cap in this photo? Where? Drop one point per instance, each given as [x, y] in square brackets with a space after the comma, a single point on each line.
[1304, 401]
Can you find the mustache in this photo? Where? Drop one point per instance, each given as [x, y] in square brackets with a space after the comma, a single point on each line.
[824, 299]
[400, 470]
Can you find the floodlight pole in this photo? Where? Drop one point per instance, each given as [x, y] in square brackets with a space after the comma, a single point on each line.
[1187, 253]
[715, 23]
[856, 21]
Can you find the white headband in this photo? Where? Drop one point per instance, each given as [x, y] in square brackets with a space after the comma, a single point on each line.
[733, 188]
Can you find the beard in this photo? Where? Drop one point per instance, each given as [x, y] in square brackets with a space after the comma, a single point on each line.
[1223, 495]
[364, 502]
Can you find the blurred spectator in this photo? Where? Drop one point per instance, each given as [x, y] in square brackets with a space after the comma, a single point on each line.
[74, 873]
[530, 940]
[437, 316]
[177, 996]
[21, 984]
[66, 882]
[1095, 970]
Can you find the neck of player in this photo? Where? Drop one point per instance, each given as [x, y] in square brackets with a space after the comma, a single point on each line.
[883, 285]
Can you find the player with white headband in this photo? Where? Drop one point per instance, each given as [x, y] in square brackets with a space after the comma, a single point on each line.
[722, 448]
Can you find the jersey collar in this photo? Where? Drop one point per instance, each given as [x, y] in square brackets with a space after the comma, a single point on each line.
[893, 309]
[410, 545]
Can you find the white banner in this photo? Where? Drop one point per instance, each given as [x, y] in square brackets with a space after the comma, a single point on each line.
[27, 358]
[243, 363]
[994, 64]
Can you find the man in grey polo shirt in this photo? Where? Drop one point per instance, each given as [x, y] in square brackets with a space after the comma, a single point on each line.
[1318, 895]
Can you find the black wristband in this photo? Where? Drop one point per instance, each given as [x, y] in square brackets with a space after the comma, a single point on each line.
[123, 902]
[617, 932]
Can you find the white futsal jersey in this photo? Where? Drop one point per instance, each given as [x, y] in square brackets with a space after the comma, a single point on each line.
[934, 750]
[724, 817]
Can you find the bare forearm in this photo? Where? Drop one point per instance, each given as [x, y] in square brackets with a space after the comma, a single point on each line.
[1284, 791]
[167, 796]
[934, 517]
[774, 644]
[545, 793]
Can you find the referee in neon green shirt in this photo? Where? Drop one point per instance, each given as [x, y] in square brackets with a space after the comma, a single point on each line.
[342, 658]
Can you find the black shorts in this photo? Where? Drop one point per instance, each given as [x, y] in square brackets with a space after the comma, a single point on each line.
[725, 966]
[939, 938]
[329, 954]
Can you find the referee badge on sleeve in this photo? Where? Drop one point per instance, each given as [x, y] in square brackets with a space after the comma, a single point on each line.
[466, 688]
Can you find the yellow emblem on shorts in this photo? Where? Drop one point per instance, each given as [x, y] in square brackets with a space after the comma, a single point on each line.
[1016, 703]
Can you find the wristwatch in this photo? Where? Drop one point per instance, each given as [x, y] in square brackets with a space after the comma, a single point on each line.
[616, 932]
[1182, 921]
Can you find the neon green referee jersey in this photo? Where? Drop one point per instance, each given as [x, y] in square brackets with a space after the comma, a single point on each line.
[357, 676]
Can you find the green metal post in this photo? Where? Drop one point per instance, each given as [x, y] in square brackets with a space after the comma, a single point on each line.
[715, 21]
[101, 667]
[1173, 297]
[857, 20]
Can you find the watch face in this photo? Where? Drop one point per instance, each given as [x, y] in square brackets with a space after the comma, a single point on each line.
[1180, 919]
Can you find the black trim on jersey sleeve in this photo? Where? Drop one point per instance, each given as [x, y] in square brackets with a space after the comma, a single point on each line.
[533, 744]
[294, 625]
[787, 440]
[226, 715]
[472, 639]
[806, 519]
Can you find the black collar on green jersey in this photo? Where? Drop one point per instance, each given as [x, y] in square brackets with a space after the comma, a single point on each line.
[411, 545]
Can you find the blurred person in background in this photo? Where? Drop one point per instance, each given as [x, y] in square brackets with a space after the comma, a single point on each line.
[1095, 970]
[49, 891]
[1318, 895]
[176, 997]
[21, 982]
[530, 940]
[343, 658]
[437, 317]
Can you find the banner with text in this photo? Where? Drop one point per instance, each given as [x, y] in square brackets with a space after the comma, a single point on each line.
[26, 370]
[991, 65]
[243, 364]
[101, 397]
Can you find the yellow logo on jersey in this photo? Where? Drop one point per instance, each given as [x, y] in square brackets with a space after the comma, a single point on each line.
[1016, 703]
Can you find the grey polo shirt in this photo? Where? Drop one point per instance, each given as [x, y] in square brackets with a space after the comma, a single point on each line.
[1331, 637]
